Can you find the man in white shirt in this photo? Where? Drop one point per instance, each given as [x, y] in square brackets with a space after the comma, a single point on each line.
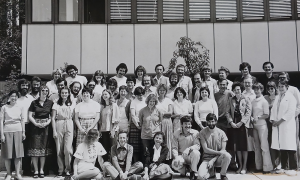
[25, 101]
[160, 78]
[120, 77]
[147, 82]
[73, 76]
[184, 81]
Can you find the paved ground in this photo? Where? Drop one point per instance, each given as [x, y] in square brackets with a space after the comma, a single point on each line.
[230, 175]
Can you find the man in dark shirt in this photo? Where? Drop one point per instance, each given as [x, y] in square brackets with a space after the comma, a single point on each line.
[269, 76]
[121, 154]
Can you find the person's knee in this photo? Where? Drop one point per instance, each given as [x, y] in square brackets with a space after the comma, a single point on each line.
[106, 164]
[195, 154]
[227, 156]
[139, 165]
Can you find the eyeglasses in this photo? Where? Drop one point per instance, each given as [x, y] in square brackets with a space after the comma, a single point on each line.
[45, 90]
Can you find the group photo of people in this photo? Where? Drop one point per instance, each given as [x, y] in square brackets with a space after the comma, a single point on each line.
[152, 127]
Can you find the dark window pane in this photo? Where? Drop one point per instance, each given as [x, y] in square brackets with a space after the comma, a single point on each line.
[94, 11]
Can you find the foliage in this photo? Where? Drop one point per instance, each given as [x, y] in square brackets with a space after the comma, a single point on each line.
[189, 51]
[63, 70]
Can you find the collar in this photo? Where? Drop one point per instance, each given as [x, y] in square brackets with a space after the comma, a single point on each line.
[223, 93]
[188, 134]
[251, 92]
[208, 79]
[159, 149]
[157, 78]
[260, 98]
[125, 146]
[150, 89]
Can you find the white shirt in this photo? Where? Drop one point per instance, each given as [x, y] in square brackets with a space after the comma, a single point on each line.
[25, 102]
[87, 110]
[121, 81]
[156, 154]
[250, 95]
[186, 83]
[52, 87]
[296, 94]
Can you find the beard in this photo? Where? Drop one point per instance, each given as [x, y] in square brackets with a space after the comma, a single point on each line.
[74, 93]
[35, 90]
[24, 91]
[173, 84]
[212, 126]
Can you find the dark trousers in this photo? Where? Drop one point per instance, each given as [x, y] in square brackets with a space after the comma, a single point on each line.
[107, 143]
[288, 158]
[147, 147]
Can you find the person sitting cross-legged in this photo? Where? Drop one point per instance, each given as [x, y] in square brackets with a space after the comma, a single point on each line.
[121, 154]
[185, 148]
[213, 141]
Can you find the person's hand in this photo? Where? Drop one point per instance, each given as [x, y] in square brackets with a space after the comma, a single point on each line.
[39, 125]
[233, 125]
[3, 138]
[23, 136]
[186, 152]
[55, 135]
[210, 164]
[153, 168]
[277, 123]
[146, 177]
[238, 125]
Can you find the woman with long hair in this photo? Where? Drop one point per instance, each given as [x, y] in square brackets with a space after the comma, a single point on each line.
[63, 130]
[12, 129]
[39, 115]
[124, 107]
[99, 79]
[139, 72]
[112, 86]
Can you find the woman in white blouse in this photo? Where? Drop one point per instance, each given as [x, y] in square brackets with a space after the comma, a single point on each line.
[181, 107]
[204, 107]
[56, 74]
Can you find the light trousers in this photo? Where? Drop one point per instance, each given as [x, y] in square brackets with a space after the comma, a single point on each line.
[192, 160]
[222, 161]
[64, 140]
[262, 152]
[113, 172]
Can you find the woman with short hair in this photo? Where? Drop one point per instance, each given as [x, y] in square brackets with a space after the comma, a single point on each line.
[12, 129]
[124, 108]
[39, 114]
[56, 74]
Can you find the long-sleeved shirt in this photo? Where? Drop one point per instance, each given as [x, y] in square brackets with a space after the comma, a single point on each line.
[12, 116]
[181, 142]
[161, 159]
[296, 93]
[260, 106]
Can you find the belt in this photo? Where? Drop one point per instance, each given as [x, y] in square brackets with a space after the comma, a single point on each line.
[85, 118]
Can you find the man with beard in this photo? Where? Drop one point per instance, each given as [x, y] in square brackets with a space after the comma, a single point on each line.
[213, 141]
[160, 78]
[35, 87]
[173, 81]
[195, 95]
[60, 84]
[185, 148]
[269, 76]
[75, 89]
[130, 81]
[184, 81]
[24, 101]
[73, 76]
[147, 82]
[121, 155]
[223, 73]
[120, 77]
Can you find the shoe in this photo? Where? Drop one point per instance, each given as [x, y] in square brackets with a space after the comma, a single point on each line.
[224, 178]
[7, 177]
[291, 173]
[244, 171]
[233, 167]
[42, 175]
[280, 171]
[192, 175]
[60, 175]
[18, 177]
[266, 172]
[68, 174]
[36, 175]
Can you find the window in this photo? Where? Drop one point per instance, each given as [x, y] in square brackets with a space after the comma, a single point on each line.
[199, 10]
[147, 10]
[298, 8]
[226, 10]
[173, 10]
[41, 10]
[280, 9]
[68, 10]
[120, 10]
[253, 9]
[94, 11]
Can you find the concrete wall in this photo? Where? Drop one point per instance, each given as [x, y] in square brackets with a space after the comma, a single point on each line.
[104, 46]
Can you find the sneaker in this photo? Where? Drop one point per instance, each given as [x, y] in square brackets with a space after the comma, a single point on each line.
[291, 173]
[68, 174]
[280, 171]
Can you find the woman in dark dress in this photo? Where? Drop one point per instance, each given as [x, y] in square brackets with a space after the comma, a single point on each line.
[239, 115]
[39, 116]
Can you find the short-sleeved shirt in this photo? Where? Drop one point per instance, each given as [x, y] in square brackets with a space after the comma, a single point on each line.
[164, 105]
[213, 140]
[52, 87]
[121, 81]
[260, 106]
[87, 109]
[123, 155]
[89, 153]
[12, 117]
[41, 111]
[185, 107]
[25, 102]
[186, 83]
[180, 141]
[64, 112]
[147, 119]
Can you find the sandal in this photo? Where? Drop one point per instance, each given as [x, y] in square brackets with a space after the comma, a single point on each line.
[42, 175]
[35, 175]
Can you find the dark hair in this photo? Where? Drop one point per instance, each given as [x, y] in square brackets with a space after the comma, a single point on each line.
[268, 62]
[23, 81]
[44, 87]
[271, 84]
[59, 80]
[112, 82]
[130, 78]
[244, 65]
[12, 92]
[120, 88]
[151, 80]
[140, 67]
[284, 73]
[35, 78]
[139, 91]
[122, 65]
[258, 86]
[99, 73]
[158, 66]
[92, 133]
[186, 119]
[73, 83]
[180, 65]
[205, 88]
[149, 97]
[211, 116]
[235, 84]
[68, 101]
[222, 68]
[181, 90]
[71, 66]
[122, 132]
[285, 83]
[163, 137]
[102, 101]
[173, 74]
[85, 89]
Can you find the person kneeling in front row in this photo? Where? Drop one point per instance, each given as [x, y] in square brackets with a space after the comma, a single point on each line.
[121, 154]
[185, 148]
[213, 141]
